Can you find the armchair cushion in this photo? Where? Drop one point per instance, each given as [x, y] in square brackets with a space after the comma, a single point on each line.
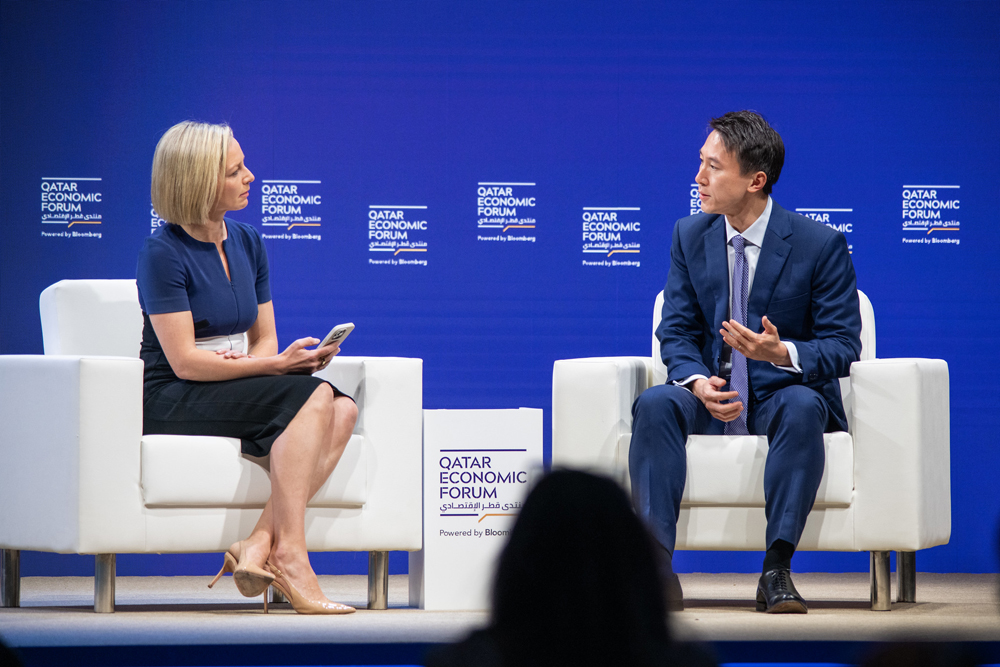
[206, 471]
[729, 471]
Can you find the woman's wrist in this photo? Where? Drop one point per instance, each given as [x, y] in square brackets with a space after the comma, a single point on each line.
[271, 365]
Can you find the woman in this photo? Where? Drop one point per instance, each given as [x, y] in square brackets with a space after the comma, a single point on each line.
[577, 584]
[211, 357]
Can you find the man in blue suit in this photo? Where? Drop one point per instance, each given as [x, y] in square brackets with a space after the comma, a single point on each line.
[760, 319]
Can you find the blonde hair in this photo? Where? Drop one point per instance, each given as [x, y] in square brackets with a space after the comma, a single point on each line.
[189, 162]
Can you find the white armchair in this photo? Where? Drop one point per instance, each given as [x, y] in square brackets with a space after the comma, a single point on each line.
[78, 476]
[886, 485]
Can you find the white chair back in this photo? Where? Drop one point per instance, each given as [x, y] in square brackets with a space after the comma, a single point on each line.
[91, 317]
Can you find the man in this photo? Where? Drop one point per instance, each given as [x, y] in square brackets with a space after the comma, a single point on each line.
[769, 297]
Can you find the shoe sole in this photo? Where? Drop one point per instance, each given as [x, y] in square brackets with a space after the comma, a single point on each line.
[249, 584]
[784, 607]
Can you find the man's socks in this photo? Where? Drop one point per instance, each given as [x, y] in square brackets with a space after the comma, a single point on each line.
[779, 555]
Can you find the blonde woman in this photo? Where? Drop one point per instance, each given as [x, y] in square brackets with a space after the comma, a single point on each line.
[212, 365]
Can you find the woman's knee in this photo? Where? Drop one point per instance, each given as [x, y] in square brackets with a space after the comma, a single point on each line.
[346, 412]
[338, 434]
[321, 401]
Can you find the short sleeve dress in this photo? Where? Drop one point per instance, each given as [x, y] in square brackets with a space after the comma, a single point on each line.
[177, 273]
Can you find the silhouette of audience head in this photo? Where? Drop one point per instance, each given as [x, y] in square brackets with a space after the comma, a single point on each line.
[8, 658]
[578, 583]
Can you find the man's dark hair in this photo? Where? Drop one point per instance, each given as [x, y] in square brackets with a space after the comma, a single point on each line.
[755, 144]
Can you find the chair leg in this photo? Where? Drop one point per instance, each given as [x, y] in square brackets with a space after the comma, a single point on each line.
[10, 578]
[880, 582]
[104, 584]
[378, 579]
[906, 576]
[277, 596]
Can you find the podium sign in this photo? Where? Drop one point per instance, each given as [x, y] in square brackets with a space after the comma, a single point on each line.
[477, 465]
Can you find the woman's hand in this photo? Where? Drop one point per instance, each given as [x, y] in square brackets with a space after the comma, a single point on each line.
[327, 353]
[296, 360]
[234, 354]
[176, 334]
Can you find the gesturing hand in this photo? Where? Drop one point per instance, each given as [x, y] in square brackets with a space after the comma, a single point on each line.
[708, 392]
[765, 346]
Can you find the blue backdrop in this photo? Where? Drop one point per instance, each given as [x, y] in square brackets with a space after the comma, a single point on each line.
[378, 132]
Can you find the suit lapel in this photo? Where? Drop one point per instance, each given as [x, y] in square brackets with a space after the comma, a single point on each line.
[772, 258]
[717, 269]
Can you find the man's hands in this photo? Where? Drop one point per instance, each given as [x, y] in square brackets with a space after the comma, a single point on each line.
[765, 346]
[708, 392]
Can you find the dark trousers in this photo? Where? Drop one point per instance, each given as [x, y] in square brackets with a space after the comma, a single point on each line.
[664, 416]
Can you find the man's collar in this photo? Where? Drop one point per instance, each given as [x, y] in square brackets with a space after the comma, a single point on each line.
[754, 234]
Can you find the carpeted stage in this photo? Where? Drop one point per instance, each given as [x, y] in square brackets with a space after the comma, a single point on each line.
[178, 621]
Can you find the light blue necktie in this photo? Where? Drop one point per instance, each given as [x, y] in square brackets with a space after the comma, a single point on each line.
[739, 381]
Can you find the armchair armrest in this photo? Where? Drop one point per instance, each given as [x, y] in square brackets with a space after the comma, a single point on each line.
[592, 409]
[70, 428]
[389, 394]
[902, 480]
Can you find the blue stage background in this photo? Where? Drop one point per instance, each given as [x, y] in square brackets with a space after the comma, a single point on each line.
[596, 104]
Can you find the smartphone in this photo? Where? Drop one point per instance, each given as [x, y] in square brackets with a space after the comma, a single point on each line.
[337, 334]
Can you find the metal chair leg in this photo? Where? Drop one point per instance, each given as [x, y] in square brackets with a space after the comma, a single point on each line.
[881, 586]
[378, 579]
[906, 576]
[10, 578]
[104, 583]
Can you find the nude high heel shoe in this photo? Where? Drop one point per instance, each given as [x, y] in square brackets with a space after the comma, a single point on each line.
[249, 579]
[300, 604]
[228, 565]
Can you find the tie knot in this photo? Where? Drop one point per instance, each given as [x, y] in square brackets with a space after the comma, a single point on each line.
[738, 243]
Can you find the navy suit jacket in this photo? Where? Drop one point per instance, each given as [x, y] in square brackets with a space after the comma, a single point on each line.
[804, 283]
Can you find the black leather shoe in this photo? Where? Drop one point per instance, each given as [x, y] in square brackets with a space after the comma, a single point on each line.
[776, 593]
[672, 593]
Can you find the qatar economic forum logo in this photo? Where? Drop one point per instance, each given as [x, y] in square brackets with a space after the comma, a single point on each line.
[930, 214]
[611, 236]
[397, 233]
[506, 206]
[71, 207]
[290, 210]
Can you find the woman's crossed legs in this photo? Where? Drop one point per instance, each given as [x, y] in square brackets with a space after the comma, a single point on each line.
[302, 458]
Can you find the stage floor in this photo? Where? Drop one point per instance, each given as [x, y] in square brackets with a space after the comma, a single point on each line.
[181, 611]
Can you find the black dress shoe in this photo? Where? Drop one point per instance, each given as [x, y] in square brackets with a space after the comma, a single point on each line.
[672, 593]
[776, 593]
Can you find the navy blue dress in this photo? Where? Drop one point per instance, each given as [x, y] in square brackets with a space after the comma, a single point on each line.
[177, 273]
